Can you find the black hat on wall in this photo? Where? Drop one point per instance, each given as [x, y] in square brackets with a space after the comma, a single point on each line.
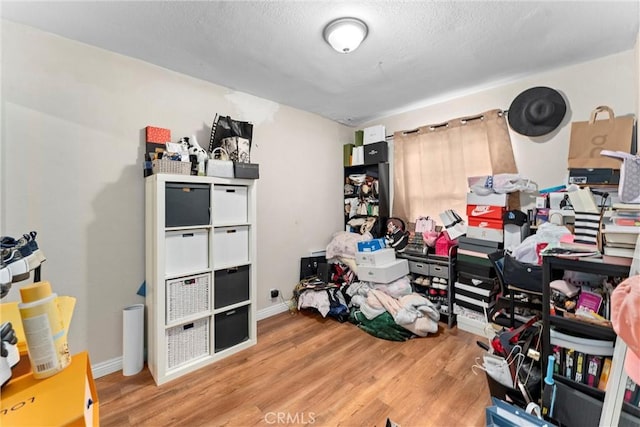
[537, 111]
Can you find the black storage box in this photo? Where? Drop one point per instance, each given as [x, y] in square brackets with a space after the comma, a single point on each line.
[231, 286]
[309, 266]
[187, 204]
[594, 176]
[376, 153]
[246, 170]
[476, 269]
[231, 328]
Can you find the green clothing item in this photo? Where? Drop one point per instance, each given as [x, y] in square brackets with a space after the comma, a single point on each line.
[382, 326]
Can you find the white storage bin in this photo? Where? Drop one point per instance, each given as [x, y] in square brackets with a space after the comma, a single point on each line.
[381, 257]
[473, 326]
[188, 296]
[187, 342]
[186, 251]
[229, 204]
[230, 246]
[385, 273]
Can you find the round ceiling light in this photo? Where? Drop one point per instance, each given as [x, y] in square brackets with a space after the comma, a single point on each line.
[345, 34]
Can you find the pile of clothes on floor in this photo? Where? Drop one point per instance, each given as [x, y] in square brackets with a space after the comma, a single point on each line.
[390, 311]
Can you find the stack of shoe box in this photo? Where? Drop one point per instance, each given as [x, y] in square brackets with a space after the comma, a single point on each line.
[477, 286]
[379, 264]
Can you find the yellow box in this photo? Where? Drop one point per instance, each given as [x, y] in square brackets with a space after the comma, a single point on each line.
[9, 312]
[68, 398]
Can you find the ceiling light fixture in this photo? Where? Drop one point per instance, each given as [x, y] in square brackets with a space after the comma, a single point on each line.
[345, 34]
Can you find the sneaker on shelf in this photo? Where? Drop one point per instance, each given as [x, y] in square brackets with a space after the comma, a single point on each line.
[19, 267]
[23, 247]
[6, 278]
[419, 280]
[426, 282]
[31, 241]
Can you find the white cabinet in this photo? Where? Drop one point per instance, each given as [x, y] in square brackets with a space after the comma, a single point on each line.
[200, 236]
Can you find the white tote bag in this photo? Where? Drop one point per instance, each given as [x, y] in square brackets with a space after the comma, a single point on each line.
[629, 186]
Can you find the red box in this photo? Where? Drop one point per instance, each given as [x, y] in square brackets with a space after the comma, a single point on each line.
[486, 223]
[158, 135]
[485, 211]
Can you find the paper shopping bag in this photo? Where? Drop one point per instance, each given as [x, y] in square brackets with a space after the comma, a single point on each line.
[590, 137]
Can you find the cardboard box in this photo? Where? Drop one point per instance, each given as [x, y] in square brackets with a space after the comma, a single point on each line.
[485, 211]
[384, 273]
[371, 245]
[376, 258]
[376, 153]
[374, 134]
[493, 199]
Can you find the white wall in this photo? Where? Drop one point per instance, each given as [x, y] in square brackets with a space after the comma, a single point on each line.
[72, 150]
[611, 80]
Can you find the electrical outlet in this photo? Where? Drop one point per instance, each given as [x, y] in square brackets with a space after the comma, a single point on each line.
[274, 293]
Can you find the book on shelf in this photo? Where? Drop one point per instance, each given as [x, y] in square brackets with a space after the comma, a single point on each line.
[604, 375]
[614, 228]
[631, 392]
[620, 238]
[618, 251]
[594, 369]
[569, 362]
[617, 260]
[590, 301]
[580, 367]
[625, 206]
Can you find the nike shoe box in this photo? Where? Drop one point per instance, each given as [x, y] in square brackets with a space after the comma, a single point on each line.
[486, 229]
[384, 273]
[485, 211]
[492, 199]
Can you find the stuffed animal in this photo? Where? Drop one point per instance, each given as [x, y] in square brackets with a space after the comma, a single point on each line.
[201, 155]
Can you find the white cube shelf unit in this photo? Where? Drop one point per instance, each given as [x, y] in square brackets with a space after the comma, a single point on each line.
[200, 235]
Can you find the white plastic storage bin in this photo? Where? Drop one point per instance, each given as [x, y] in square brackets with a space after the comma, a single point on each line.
[188, 296]
[186, 251]
[230, 246]
[187, 342]
[229, 204]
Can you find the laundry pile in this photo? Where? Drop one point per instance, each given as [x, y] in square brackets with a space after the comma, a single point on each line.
[390, 311]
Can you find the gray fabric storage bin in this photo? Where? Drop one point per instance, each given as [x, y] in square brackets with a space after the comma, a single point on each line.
[187, 204]
[231, 286]
[231, 328]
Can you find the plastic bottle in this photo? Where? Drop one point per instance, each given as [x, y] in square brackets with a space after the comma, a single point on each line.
[44, 330]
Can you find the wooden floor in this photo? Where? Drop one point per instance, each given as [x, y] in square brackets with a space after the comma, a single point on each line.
[306, 370]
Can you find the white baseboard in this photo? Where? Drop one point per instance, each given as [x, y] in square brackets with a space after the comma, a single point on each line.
[271, 311]
[107, 367]
[114, 365]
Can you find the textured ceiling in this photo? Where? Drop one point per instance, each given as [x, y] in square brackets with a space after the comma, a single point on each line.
[415, 53]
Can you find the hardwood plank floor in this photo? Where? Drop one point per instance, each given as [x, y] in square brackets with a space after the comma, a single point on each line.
[306, 370]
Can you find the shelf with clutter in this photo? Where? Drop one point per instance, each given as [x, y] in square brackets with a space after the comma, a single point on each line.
[42, 384]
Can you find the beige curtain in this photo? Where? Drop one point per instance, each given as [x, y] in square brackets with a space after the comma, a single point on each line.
[432, 163]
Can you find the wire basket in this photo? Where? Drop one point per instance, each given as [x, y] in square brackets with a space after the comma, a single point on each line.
[171, 166]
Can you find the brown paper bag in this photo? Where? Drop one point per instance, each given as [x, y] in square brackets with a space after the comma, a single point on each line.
[590, 137]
